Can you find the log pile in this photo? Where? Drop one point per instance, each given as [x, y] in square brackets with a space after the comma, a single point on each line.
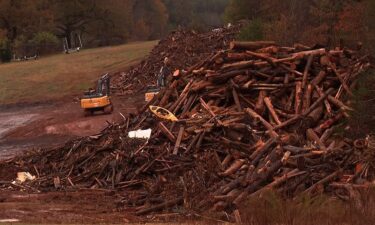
[252, 118]
[183, 48]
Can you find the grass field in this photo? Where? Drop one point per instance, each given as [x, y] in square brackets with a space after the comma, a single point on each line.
[63, 75]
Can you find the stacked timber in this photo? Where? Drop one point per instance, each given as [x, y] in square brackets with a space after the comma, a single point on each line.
[252, 118]
[182, 47]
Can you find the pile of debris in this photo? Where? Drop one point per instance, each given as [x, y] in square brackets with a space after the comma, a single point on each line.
[252, 118]
[183, 48]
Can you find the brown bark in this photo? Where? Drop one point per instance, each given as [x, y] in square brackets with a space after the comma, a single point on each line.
[233, 168]
[271, 109]
[236, 100]
[166, 132]
[312, 136]
[178, 141]
[266, 124]
[298, 101]
[250, 45]
[259, 106]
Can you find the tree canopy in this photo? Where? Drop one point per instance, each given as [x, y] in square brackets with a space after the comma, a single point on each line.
[24, 23]
[102, 23]
[307, 21]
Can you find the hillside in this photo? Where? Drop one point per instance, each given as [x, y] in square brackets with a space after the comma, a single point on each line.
[63, 75]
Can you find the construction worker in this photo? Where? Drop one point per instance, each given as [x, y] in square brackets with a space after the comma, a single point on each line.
[163, 74]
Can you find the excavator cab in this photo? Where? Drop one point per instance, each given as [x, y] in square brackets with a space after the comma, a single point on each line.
[154, 90]
[151, 92]
[99, 99]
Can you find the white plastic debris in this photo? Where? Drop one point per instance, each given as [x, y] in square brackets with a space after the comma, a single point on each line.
[145, 134]
[24, 176]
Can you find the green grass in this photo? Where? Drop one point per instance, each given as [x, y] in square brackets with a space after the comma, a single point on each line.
[64, 75]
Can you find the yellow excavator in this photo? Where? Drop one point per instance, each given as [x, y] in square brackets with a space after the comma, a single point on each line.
[99, 99]
[151, 92]
[154, 90]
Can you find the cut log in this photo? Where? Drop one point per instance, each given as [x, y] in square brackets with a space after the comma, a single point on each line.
[250, 45]
[237, 100]
[256, 116]
[316, 52]
[342, 80]
[319, 78]
[299, 97]
[307, 98]
[233, 168]
[259, 106]
[312, 136]
[323, 181]
[178, 141]
[166, 132]
[306, 72]
[271, 109]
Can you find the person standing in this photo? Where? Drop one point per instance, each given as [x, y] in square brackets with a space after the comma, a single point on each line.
[164, 73]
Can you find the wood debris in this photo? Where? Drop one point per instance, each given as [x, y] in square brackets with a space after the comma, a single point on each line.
[183, 48]
[253, 118]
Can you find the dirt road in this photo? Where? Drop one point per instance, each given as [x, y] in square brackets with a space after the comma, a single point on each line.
[85, 207]
[24, 127]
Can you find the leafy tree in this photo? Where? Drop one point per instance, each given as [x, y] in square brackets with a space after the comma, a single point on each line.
[18, 17]
[196, 13]
[208, 13]
[307, 21]
[351, 22]
[180, 12]
[5, 50]
[112, 23]
[44, 38]
[253, 31]
[152, 14]
[243, 9]
[72, 16]
[369, 25]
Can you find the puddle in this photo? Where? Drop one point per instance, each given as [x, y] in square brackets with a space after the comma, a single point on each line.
[10, 121]
[9, 151]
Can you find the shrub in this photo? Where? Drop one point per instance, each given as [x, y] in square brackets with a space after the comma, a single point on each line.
[5, 50]
[42, 43]
[253, 31]
[44, 38]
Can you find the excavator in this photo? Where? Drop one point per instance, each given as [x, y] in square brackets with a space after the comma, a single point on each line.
[154, 90]
[99, 99]
[151, 92]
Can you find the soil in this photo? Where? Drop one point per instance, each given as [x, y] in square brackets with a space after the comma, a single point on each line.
[25, 127]
[84, 207]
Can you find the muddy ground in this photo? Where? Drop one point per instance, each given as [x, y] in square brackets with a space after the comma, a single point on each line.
[24, 127]
[84, 207]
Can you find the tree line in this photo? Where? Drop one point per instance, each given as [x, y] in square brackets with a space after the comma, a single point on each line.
[41, 26]
[324, 22]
